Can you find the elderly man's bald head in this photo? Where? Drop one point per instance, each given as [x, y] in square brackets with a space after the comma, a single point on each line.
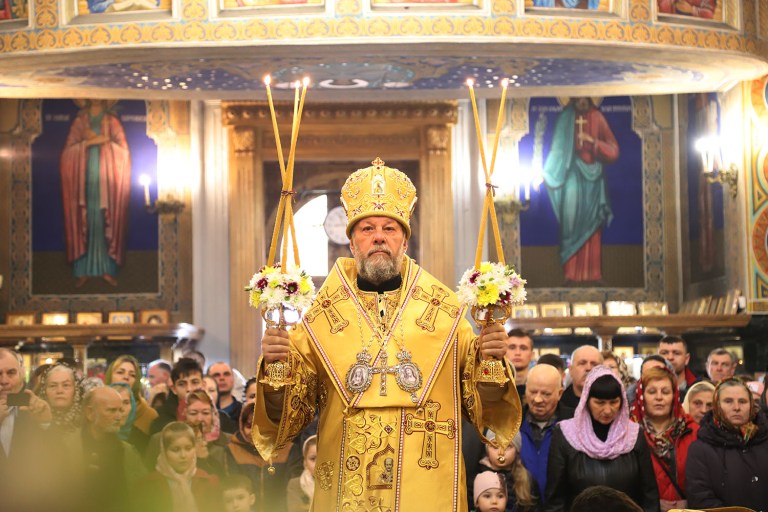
[546, 373]
[102, 408]
[583, 360]
[543, 390]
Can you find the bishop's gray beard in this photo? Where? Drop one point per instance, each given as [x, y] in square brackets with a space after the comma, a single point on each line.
[379, 268]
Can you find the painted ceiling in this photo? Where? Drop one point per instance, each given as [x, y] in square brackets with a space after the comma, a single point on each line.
[393, 72]
[206, 49]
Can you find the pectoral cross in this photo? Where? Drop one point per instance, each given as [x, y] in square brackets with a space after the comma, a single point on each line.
[580, 122]
[382, 369]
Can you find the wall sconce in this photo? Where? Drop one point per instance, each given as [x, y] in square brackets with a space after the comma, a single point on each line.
[514, 192]
[712, 165]
[167, 206]
[509, 206]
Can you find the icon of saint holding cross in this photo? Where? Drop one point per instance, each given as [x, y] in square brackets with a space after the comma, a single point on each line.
[582, 145]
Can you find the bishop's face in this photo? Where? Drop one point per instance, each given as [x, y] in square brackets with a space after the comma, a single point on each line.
[378, 245]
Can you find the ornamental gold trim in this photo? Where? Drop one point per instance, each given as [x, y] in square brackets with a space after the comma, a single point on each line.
[421, 113]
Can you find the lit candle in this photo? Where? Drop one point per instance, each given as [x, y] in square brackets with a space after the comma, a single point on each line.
[282, 203]
[298, 108]
[471, 85]
[528, 191]
[267, 82]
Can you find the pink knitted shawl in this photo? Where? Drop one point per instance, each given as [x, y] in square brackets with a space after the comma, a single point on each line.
[579, 433]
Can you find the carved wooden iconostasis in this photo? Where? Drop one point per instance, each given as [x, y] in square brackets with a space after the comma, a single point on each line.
[334, 141]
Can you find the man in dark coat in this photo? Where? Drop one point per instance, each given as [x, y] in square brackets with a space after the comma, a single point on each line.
[111, 467]
[24, 442]
[540, 415]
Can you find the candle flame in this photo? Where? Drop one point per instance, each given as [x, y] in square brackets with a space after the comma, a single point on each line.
[144, 180]
[505, 83]
[305, 81]
[470, 82]
[267, 80]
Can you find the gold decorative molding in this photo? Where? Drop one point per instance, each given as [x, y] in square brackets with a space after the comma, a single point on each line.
[319, 141]
[257, 113]
[193, 22]
[244, 140]
[438, 139]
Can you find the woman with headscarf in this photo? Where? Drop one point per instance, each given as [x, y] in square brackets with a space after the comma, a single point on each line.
[618, 366]
[126, 369]
[728, 464]
[698, 400]
[200, 414]
[600, 446]
[127, 431]
[176, 484]
[668, 431]
[58, 447]
[60, 387]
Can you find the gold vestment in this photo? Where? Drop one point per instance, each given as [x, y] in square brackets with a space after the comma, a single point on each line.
[385, 453]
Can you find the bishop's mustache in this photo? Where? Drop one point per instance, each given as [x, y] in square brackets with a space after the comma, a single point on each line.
[379, 248]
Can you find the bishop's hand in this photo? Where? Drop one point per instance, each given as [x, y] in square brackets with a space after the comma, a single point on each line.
[275, 345]
[493, 342]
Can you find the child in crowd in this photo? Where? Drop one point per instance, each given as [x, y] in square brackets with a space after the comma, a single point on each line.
[238, 495]
[521, 489]
[176, 484]
[490, 492]
[244, 458]
[301, 489]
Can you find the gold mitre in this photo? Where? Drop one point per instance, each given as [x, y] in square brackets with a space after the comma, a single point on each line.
[378, 191]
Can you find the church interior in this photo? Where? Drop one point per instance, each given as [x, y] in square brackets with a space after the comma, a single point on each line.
[661, 107]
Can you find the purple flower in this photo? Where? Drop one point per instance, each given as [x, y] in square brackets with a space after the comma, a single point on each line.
[474, 277]
[291, 287]
[261, 283]
[505, 297]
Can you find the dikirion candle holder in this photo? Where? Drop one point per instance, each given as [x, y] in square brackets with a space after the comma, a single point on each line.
[490, 289]
[281, 291]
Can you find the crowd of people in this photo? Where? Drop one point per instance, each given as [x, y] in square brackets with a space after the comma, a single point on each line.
[668, 440]
[176, 439]
[179, 438]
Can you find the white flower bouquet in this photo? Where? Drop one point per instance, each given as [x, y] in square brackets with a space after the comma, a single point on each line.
[492, 284]
[269, 288]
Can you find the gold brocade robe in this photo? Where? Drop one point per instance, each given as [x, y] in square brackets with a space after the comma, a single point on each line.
[385, 453]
